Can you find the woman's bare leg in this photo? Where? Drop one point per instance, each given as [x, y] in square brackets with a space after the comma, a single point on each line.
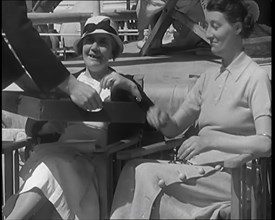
[26, 204]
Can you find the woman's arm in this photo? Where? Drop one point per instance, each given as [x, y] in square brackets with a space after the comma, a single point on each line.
[125, 88]
[258, 145]
[184, 117]
[170, 126]
[115, 81]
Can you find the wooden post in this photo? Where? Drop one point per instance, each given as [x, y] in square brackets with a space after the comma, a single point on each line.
[96, 7]
[29, 6]
[128, 5]
[125, 28]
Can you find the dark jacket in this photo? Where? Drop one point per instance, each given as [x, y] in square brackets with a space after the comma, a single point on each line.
[116, 131]
[43, 66]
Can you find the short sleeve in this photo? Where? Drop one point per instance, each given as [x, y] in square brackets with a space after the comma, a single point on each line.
[260, 95]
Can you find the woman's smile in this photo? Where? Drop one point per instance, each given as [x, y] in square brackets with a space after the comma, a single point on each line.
[97, 50]
[214, 43]
[93, 56]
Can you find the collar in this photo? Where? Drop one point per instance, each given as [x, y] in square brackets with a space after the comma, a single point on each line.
[88, 74]
[237, 66]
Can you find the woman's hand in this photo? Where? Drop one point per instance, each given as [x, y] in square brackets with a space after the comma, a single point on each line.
[192, 147]
[87, 96]
[114, 80]
[81, 94]
[157, 118]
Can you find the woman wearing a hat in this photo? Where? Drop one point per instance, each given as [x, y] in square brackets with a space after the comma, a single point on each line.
[66, 175]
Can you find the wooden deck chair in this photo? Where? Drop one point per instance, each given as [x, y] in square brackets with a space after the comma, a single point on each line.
[154, 42]
[104, 158]
[10, 165]
[108, 172]
[251, 198]
[14, 152]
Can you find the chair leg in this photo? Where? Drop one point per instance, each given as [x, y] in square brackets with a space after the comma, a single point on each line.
[235, 193]
[104, 173]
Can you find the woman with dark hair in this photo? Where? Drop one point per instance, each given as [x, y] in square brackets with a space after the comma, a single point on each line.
[232, 105]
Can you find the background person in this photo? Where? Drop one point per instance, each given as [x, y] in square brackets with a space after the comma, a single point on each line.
[148, 11]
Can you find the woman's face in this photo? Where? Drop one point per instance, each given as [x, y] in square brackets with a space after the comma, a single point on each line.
[96, 51]
[222, 34]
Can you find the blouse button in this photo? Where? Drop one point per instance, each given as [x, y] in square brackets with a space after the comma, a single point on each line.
[201, 171]
[218, 167]
[182, 176]
[161, 183]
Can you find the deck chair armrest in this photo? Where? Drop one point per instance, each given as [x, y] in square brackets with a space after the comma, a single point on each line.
[149, 149]
[144, 150]
[123, 144]
[238, 161]
[240, 183]
[8, 146]
[119, 145]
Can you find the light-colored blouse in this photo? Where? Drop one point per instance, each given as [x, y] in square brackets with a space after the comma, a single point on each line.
[86, 129]
[228, 100]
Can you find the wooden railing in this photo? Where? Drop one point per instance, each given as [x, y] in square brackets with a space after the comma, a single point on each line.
[59, 18]
[126, 20]
[128, 17]
[11, 162]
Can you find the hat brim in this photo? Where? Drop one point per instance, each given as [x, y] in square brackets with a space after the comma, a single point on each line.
[119, 50]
